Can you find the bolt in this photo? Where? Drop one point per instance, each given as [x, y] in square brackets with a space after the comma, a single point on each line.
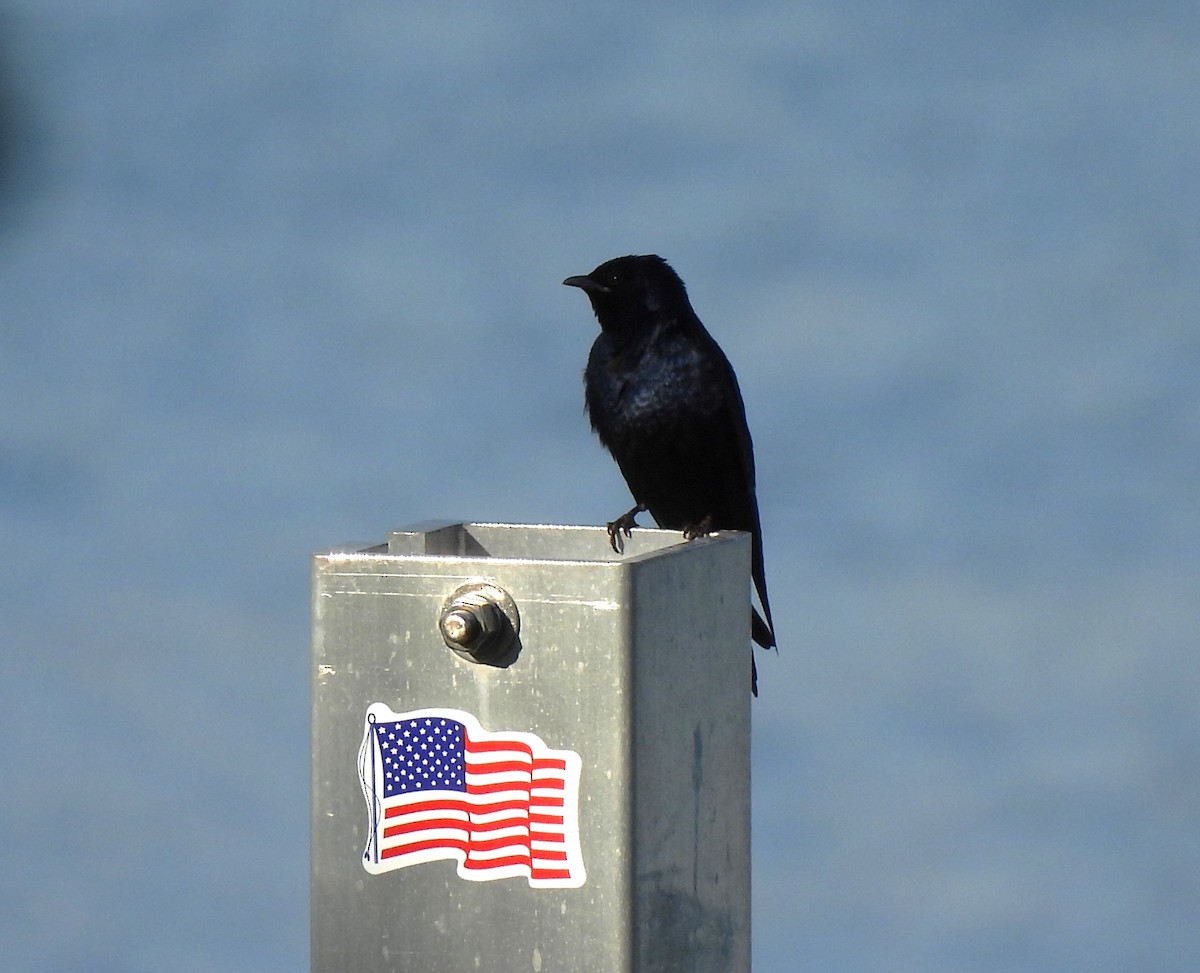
[479, 622]
[461, 627]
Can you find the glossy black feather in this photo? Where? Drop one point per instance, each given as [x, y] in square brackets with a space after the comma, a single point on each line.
[664, 401]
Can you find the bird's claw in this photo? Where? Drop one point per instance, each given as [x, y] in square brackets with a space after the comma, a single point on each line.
[623, 525]
[702, 529]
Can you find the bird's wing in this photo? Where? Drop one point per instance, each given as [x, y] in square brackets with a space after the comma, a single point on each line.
[747, 501]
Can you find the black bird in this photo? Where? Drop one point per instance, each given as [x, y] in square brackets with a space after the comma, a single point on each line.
[663, 399]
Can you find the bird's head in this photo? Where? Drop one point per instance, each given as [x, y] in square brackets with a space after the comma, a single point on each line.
[628, 293]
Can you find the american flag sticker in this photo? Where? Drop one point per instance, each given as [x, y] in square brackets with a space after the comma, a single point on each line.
[439, 786]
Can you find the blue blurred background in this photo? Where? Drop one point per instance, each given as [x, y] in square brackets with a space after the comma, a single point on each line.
[260, 262]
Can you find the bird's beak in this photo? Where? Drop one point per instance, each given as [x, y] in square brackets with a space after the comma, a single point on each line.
[586, 284]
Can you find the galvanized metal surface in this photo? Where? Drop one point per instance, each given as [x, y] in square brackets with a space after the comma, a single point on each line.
[639, 662]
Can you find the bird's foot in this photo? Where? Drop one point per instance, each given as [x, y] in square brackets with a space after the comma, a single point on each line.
[623, 525]
[702, 529]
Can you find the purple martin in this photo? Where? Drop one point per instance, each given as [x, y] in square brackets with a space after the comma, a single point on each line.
[663, 399]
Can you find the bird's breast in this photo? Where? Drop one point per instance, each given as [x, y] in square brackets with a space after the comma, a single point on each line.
[647, 394]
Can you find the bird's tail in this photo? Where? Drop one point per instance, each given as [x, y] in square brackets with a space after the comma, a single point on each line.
[761, 631]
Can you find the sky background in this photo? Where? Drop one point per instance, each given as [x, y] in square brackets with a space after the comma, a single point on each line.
[260, 263]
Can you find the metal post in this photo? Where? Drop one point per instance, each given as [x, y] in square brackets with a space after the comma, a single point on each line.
[531, 753]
